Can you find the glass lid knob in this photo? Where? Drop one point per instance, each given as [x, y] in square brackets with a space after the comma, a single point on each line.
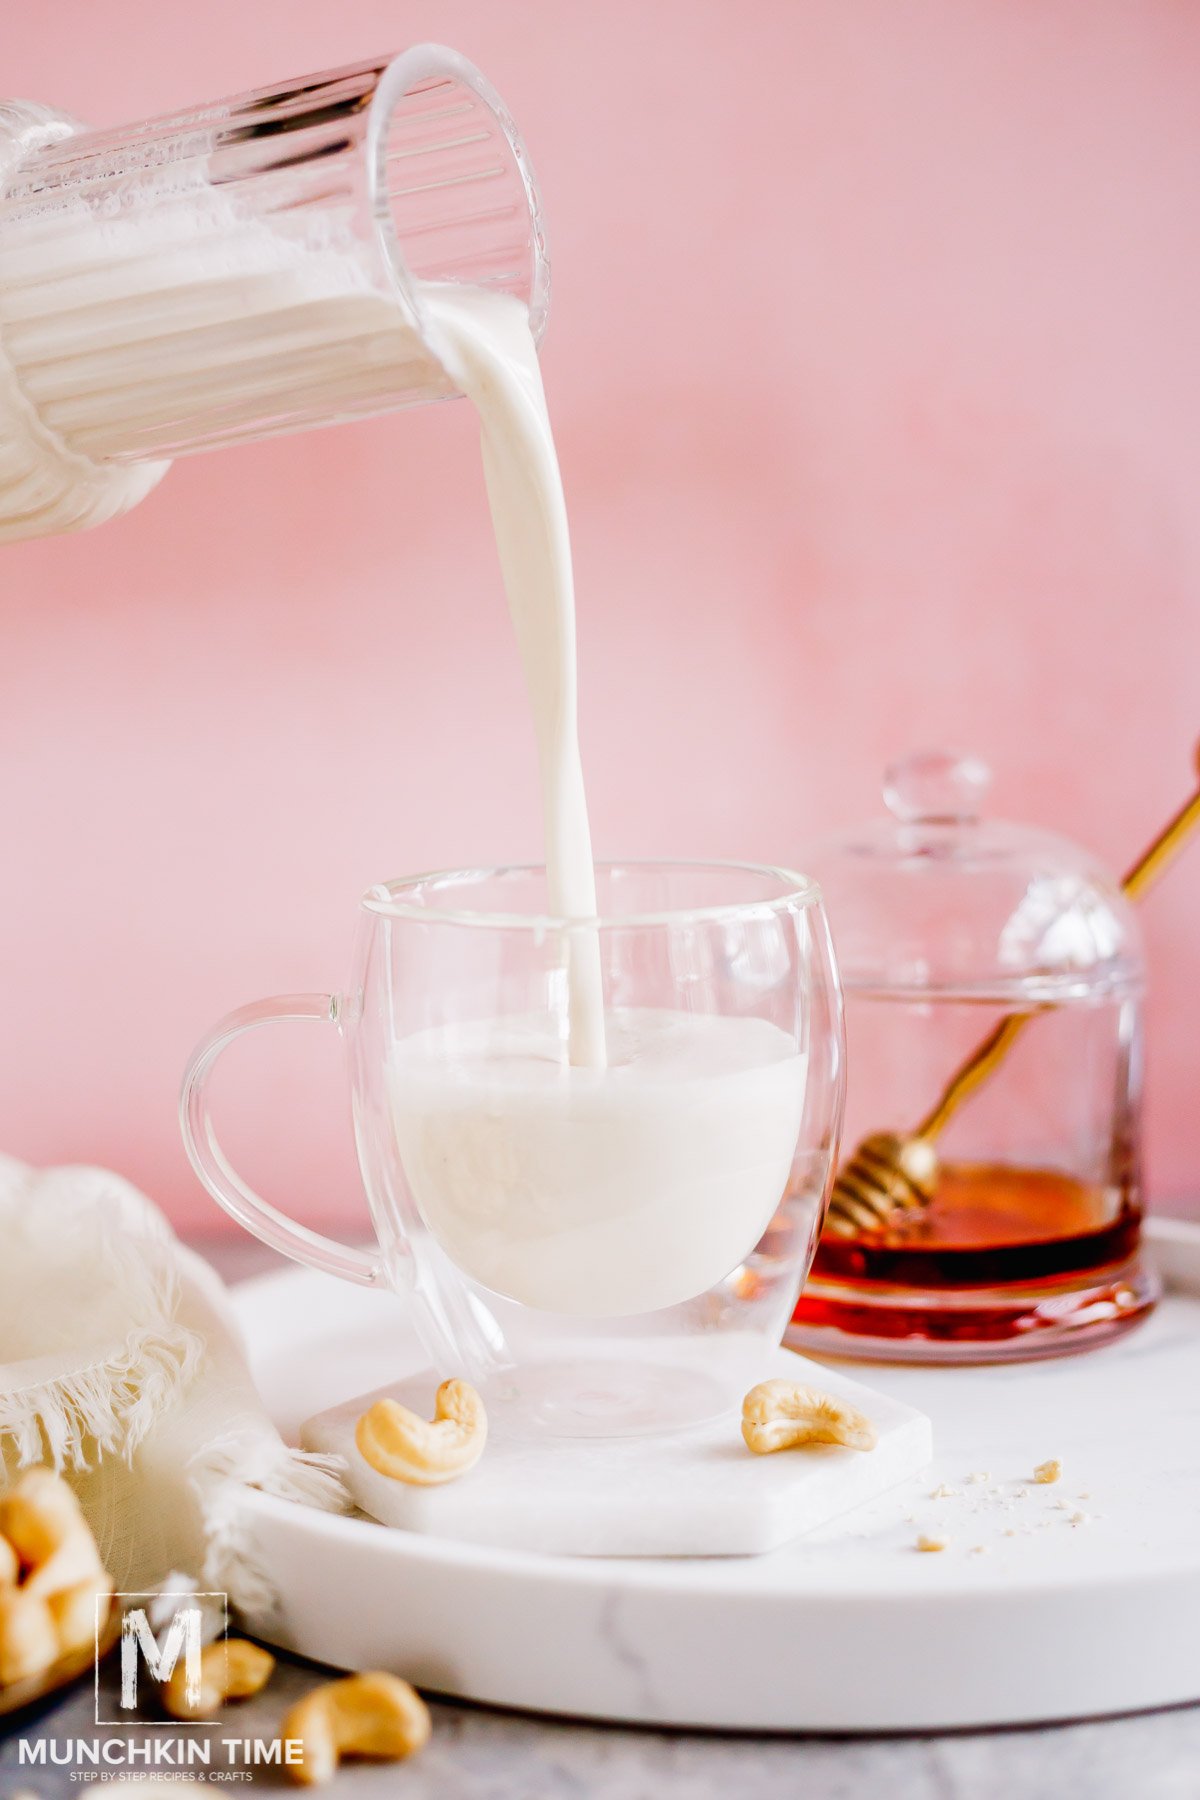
[936, 787]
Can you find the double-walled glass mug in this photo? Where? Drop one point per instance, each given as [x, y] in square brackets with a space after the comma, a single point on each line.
[600, 1250]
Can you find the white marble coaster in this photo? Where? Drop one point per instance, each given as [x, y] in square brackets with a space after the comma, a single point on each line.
[695, 1493]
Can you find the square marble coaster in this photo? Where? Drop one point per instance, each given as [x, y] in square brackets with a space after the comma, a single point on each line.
[694, 1493]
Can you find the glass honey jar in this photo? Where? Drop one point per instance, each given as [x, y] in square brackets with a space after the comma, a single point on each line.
[988, 1202]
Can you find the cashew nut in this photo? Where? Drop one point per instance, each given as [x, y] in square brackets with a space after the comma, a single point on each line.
[364, 1715]
[779, 1414]
[51, 1613]
[406, 1448]
[75, 1612]
[231, 1669]
[44, 1524]
[28, 1636]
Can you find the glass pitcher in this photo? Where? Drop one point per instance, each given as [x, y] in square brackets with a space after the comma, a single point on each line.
[244, 268]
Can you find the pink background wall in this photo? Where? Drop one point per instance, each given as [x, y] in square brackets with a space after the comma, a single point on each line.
[876, 377]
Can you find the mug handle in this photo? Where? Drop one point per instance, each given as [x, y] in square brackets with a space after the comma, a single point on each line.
[222, 1180]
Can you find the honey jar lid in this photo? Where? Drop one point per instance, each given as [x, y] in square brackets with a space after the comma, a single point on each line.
[936, 898]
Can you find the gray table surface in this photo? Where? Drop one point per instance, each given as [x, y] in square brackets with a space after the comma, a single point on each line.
[477, 1754]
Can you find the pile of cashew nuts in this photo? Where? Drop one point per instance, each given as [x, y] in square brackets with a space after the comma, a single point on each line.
[55, 1596]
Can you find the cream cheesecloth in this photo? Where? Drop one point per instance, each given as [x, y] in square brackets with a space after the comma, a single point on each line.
[120, 1366]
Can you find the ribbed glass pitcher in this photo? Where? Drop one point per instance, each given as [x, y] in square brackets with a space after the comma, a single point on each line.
[248, 267]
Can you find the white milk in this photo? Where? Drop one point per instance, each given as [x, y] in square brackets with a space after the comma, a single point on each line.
[599, 1192]
[487, 349]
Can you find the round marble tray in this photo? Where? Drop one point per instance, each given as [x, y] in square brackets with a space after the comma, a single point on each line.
[1048, 1601]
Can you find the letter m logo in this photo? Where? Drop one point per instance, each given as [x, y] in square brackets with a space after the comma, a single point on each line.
[178, 1642]
[181, 1636]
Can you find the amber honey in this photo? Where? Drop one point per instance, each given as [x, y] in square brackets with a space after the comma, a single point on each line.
[1000, 1254]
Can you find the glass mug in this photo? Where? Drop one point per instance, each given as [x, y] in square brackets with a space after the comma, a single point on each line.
[600, 1251]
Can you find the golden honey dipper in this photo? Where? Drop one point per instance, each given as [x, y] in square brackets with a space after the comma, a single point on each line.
[890, 1174]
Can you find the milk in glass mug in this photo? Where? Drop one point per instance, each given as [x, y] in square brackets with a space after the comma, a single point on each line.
[601, 1250]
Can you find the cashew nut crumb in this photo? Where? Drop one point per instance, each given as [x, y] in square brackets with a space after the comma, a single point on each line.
[231, 1669]
[979, 1549]
[925, 1542]
[778, 1415]
[979, 1477]
[1081, 1518]
[1048, 1471]
[1010, 1532]
[375, 1715]
[425, 1453]
[945, 1492]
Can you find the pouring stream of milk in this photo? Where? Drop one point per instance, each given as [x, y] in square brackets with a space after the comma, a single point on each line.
[486, 347]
